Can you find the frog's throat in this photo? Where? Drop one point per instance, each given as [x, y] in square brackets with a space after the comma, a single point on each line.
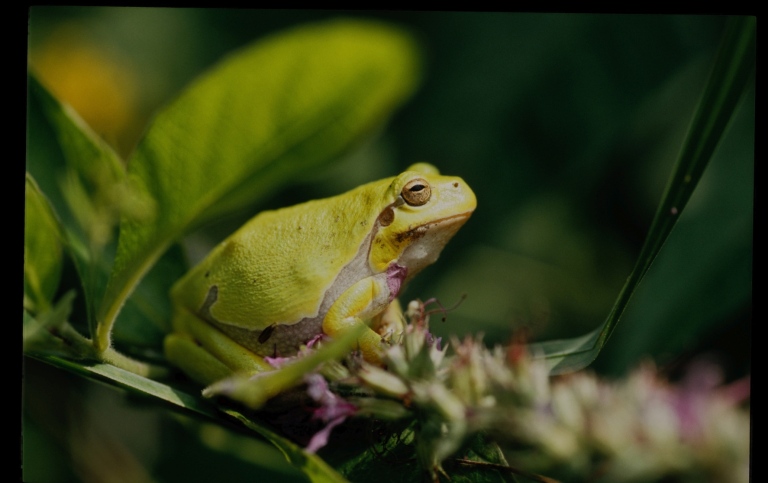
[427, 241]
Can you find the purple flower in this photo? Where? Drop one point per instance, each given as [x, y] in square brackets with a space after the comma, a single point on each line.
[431, 340]
[333, 410]
[277, 362]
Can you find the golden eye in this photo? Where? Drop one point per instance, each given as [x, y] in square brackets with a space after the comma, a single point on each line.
[416, 192]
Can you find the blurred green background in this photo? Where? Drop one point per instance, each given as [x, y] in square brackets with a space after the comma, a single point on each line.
[566, 126]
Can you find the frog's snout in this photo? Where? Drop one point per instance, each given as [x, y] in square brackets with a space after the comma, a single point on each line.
[461, 196]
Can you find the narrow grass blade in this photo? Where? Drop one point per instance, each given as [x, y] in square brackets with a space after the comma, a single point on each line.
[731, 72]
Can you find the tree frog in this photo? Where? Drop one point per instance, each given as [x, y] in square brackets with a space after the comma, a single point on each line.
[321, 267]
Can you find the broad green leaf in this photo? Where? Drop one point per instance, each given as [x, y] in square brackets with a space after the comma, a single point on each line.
[731, 72]
[263, 115]
[42, 249]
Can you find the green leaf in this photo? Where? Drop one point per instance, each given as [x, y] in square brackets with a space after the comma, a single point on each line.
[42, 250]
[702, 279]
[360, 458]
[263, 115]
[392, 455]
[82, 177]
[314, 467]
[59, 140]
[145, 319]
[731, 72]
[243, 389]
[131, 381]
[37, 330]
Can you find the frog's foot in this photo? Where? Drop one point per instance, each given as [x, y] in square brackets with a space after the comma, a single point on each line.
[390, 324]
[363, 301]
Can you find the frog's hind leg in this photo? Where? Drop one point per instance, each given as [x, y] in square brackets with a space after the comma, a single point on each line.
[206, 354]
[186, 354]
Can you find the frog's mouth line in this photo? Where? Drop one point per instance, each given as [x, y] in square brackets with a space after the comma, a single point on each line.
[421, 230]
[448, 220]
[464, 215]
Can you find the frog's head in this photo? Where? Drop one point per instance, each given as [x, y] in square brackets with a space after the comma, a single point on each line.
[424, 210]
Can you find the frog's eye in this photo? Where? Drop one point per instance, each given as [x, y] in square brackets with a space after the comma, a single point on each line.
[416, 192]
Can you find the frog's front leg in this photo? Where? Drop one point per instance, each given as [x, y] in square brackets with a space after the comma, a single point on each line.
[361, 302]
[205, 353]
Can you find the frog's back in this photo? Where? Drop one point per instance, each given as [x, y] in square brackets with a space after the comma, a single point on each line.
[277, 268]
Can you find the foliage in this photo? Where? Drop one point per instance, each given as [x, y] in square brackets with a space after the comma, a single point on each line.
[261, 118]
